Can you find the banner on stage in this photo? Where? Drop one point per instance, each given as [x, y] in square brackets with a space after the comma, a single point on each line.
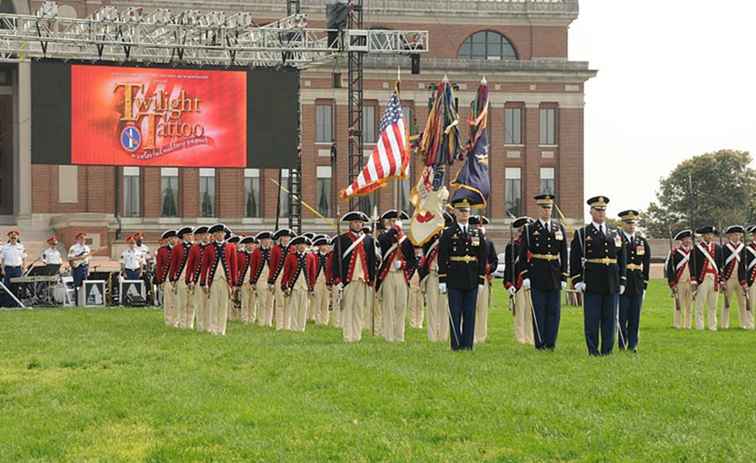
[129, 116]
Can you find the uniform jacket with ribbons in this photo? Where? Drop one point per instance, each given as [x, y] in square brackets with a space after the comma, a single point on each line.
[598, 260]
[347, 252]
[462, 257]
[544, 255]
[638, 254]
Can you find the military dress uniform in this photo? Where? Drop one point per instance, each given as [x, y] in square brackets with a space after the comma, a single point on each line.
[218, 283]
[298, 283]
[321, 297]
[704, 269]
[178, 293]
[597, 261]
[51, 257]
[260, 267]
[483, 299]
[277, 257]
[677, 271]
[415, 299]
[12, 257]
[354, 271]
[160, 278]
[545, 242]
[461, 267]
[749, 264]
[515, 266]
[436, 302]
[335, 313]
[733, 280]
[243, 285]
[637, 254]
[79, 267]
[394, 274]
[197, 309]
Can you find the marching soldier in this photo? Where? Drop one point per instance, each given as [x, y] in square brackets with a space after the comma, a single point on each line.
[394, 275]
[243, 286]
[51, 257]
[515, 267]
[461, 272]
[678, 277]
[162, 268]
[598, 270]
[733, 278]
[704, 269]
[483, 302]
[218, 284]
[354, 273]
[260, 267]
[637, 254]
[297, 282]
[78, 259]
[197, 298]
[436, 302]
[132, 261]
[277, 256]
[178, 294]
[749, 262]
[321, 298]
[544, 256]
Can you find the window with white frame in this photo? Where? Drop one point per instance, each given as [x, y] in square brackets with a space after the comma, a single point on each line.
[283, 202]
[324, 123]
[252, 204]
[513, 190]
[169, 192]
[324, 190]
[548, 123]
[548, 180]
[207, 192]
[131, 191]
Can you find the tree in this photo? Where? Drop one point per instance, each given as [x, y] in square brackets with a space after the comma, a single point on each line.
[711, 189]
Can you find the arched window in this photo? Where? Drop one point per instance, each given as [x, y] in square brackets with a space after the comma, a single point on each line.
[487, 45]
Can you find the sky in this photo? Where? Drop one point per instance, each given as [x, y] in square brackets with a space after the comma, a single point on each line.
[676, 78]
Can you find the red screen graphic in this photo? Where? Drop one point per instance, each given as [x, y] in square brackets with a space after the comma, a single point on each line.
[128, 116]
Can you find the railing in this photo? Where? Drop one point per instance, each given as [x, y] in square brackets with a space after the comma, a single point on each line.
[477, 65]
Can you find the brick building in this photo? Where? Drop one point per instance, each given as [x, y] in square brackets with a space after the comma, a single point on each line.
[535, 127]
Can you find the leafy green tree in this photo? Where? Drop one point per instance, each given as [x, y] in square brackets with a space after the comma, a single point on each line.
[711, 189]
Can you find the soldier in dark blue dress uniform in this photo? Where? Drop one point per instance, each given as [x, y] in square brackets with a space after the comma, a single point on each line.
[545, 242]
[598, 269]
[461, 271]
[637, 264]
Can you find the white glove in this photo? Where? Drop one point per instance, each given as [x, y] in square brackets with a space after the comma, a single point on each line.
[442, 288]
[397, 264]
[481, 287]
[398, 223]
[526, 283]
[622, 289]
[340, 287]
[580, 287]
[512, 290]
[564, 285]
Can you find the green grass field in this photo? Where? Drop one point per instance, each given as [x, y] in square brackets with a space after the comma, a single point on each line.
[116, 385]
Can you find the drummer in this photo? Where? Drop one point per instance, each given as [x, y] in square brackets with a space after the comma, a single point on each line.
[51, 257]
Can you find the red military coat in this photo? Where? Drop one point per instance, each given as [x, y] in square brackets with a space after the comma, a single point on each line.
[162, 264]
[277, 257]
[257, 262]
[179, 257]
[194, 263]
[218, 255]
[296, 263]
[243, 260]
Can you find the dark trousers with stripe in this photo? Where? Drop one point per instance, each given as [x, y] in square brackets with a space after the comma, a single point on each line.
[462, 320]
[9, 272]
[547, 314]
[79, 274]
[130, 274]
[629, 319]
[600, 319]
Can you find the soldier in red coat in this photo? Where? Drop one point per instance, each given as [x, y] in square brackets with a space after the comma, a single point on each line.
[234, 305]
[197, 299]
[177, 287]
[243, 284]
[162, 265]
[277, 256]
[330, 282]
[217, 277]
[298, 282]
[321, 300]
[260, 269]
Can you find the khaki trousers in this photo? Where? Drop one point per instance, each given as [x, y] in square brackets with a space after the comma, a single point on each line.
[416, 302]
[218, 303]
[683, 318]
[185, 303]
[170, 312]
[320, 301]
[336, 310]
[523, 317]
[394, 306]
[264, 300]
[248, 303]
[283, 318]
[481, 313]
[438, 309]
[297, 309]
[735, 292]
[706, 297]
[352, 307]
[202, 309]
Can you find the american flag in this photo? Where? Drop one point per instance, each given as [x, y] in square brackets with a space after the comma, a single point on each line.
[390, 157]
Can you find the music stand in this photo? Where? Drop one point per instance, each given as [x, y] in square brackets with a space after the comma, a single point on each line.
[5, 288]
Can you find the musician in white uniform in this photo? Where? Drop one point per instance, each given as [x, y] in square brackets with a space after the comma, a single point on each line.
[51, 256]
[12, 263]
[78, 257]
[132, 261]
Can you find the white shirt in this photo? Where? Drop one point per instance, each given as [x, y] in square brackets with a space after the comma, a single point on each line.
[12, 255]
[545, 224]
[132, 258]
[78, 250]
[600, 227]
[52, 256]
[463, 226]
[145, 251]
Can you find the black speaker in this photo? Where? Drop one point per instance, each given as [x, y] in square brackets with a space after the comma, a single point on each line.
[415, 63]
